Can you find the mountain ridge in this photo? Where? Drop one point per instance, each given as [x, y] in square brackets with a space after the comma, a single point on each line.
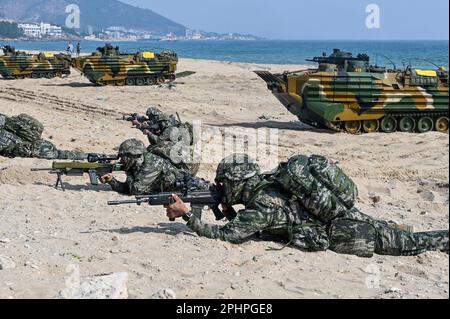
[96, 14]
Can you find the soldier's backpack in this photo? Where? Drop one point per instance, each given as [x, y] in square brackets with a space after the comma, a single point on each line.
[25, 126]
[2, 121]
[320, 185]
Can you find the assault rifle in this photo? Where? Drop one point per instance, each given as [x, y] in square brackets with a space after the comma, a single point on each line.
[133, 117]
[197, 198]
[144, 123]
[97, 165]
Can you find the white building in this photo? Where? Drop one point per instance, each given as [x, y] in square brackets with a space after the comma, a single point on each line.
[40, 30]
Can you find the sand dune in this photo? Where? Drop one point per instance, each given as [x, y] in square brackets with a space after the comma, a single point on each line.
[43, 230]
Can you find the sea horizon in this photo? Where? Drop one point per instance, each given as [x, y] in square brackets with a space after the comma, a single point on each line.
[418, 53]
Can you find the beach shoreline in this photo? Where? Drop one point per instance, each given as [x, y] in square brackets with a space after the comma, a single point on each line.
[401, 177]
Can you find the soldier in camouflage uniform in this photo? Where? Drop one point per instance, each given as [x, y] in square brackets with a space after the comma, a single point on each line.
[169, 138]
[273, 214]
[21, 136]
[148, 173]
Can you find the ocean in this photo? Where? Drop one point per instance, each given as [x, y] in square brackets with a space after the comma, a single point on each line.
[421, 54]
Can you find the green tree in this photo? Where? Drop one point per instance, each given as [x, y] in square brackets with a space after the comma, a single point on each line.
[10, 30]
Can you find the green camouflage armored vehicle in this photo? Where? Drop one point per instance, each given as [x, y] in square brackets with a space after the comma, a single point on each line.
[107, 66]
[346, 93]
[20, 65]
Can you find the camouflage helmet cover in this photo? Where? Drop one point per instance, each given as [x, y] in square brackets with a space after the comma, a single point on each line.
[25, 126]
[2, 120]
[237, 167]
[132, 147]
[153, 111]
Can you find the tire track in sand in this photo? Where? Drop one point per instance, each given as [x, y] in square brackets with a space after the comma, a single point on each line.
[53, 102]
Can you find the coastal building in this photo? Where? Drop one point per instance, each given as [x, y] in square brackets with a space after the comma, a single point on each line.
[40, 30]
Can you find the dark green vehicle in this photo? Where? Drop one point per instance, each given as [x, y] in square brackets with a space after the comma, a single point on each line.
[107, 66]
[20, 65]
[346, 93]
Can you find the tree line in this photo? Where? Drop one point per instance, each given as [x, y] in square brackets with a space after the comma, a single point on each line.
[10, 30]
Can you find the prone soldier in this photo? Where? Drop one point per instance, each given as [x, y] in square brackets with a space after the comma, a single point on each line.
[312, 219]
[148, 173]
[21, 136]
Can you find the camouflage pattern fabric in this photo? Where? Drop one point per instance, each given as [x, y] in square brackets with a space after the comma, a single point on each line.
[172, 140]
[47, 150]
[25, 127]
[320, 185]
[8, 141]
[273, 214]
[236, 167]
[13, 146]
[21, 137]
[175, 143]
[2, 120]
[233, 173]
[361, 235]
[132, 147]
[155, 174]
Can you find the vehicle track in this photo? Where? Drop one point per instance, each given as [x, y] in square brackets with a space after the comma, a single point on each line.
[53, 102]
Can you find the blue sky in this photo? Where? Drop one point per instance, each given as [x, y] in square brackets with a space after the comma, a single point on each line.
[309, 19]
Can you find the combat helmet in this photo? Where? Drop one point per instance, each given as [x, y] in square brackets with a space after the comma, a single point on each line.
[153, 111]
[233, 173]
[25, 126]
[2, 120]
[132, 147]
[237, 167]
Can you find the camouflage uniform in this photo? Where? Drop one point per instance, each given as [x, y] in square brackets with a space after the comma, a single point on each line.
[274, 214]
[171, 139]
[20, 136]
[148, 173]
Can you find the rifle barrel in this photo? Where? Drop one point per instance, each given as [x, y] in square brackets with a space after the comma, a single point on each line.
[124, 202]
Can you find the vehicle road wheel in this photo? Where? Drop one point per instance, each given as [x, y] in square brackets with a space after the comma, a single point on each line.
[130, 81]
[442, 124]
[371, 126]
[34, 75]
[425, 125]
[407, 124]
[389, 124]
[160, 80]
[353, 127]
[140, 82]
[120, 82]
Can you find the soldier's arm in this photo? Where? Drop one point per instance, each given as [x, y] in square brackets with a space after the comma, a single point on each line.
[248, 223]
[71, 155]
[153, 139]
[122, 188]
[145, 182]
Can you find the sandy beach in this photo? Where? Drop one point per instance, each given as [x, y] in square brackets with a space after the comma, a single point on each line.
[401, 177]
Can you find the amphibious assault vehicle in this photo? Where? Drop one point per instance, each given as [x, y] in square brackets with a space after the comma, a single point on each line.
[346, 93]
[107, 66]
[20, 65]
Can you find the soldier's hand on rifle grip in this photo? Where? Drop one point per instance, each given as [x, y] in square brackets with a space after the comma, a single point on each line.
[177, 209]
[106, 178]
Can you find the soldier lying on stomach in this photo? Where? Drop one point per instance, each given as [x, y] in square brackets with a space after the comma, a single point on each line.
[21, 136]
[276, 213]
[148, 173]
